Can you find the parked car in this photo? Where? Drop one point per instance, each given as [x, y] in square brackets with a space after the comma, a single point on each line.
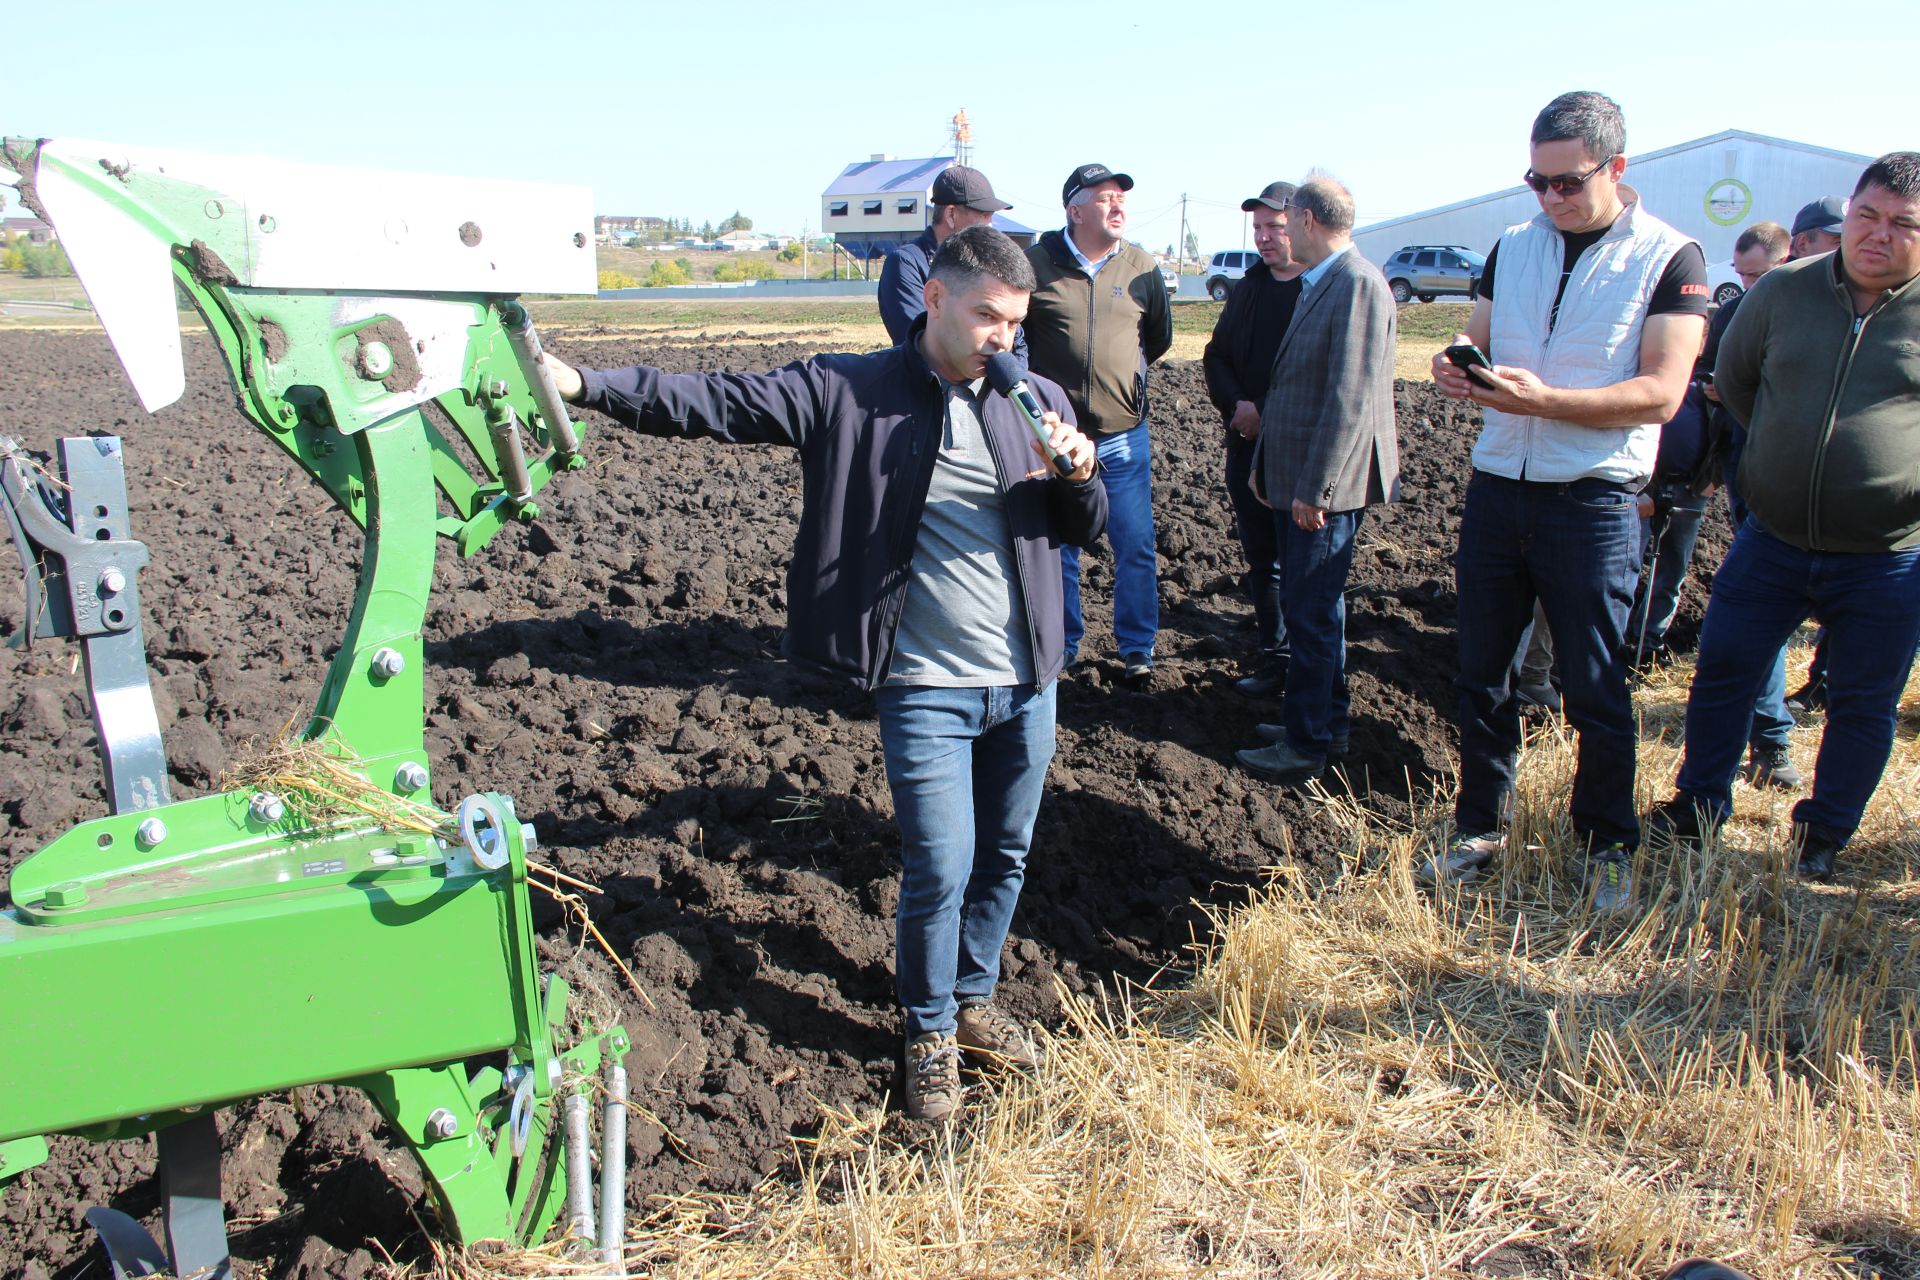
[1227, 266]
[1429, 271]
[1172, 276]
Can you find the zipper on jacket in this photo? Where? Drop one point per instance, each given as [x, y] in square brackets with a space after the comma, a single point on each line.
[1840, 373]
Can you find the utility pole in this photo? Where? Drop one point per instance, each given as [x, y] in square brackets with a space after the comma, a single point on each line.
[1180, 249]
[803, 251]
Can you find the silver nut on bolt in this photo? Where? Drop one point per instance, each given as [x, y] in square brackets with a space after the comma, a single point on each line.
[112, 581]
[389, 663]
[267, 808]
[410, 776]
[529, 838]
[442, 1124]
[151, 832]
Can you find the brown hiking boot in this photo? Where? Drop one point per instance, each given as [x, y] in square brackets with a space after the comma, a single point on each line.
[988, 1032]
[932, 1076]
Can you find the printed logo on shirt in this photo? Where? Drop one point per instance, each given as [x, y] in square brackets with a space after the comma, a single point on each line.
[1118, 290]
[1693, 289]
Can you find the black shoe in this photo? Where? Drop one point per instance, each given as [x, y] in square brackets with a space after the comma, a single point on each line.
[1653, 658]
[1139, 668]
[1818, 847]
[1265, 682]
[1339, 749]
[1280, 763]
[1680, 821]
[1771, 766]
[1704, 1269]
[1812, 697]
[1537, 699]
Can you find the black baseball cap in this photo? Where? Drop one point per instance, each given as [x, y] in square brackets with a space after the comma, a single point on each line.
[1275, 195]
[1827, 213]
[966, 187]
[1091, 175]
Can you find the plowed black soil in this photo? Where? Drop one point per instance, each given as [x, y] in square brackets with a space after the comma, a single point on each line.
[613, 669]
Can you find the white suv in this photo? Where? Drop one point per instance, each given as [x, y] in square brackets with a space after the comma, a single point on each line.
[1227, 266]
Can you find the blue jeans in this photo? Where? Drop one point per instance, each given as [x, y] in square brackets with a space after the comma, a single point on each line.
[1771, 719]
[1315, 563]
[1670, 537]
[1253, 521]
[1575, 548]
[1126, 468]
[1870, 603]
[967, 767]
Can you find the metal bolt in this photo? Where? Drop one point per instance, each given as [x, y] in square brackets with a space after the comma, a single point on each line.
[388, 663]
[112, 581]
[376, 359]
[554, 1072]
[410, 776]
[497, 390]
[150, 833]
[267, 808]
[528, 839]
[70, 893]
[442, 1123]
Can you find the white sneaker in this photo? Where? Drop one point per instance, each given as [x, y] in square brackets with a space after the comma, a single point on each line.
[1464, 858]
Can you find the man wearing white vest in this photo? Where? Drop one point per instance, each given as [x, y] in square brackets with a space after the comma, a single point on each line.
[1591, 314]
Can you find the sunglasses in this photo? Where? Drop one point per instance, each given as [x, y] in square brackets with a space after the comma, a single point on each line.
[1562, 183]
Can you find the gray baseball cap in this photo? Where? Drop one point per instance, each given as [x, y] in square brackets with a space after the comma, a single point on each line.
[1275, 195]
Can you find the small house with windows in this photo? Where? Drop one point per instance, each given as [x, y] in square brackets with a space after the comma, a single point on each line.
[880, 203]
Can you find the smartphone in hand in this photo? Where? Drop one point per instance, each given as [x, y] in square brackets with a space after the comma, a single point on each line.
[1468, 356]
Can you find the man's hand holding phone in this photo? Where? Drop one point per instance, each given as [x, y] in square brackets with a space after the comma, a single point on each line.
[1453, 368]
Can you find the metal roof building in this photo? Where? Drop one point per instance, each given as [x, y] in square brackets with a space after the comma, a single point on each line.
[879, 204]
[1711, 188]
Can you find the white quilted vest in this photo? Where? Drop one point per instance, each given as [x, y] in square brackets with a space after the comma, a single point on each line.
[1595, 343]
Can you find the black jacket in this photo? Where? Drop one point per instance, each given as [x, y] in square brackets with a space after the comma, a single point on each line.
[868, 430]
[1230, 349]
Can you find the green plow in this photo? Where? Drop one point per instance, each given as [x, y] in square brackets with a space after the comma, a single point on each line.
[254, 940]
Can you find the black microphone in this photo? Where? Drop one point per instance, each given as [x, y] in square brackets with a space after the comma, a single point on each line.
[1003, 375]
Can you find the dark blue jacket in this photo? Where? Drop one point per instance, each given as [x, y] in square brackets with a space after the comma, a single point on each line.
[868, 429]
[903, 282]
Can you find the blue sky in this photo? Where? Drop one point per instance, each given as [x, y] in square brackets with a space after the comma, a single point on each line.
[697, 110]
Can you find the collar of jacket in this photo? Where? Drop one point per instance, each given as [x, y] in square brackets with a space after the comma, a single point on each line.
[918, 370]
[1843, 288]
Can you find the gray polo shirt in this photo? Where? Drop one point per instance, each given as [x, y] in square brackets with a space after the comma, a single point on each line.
[964, 623]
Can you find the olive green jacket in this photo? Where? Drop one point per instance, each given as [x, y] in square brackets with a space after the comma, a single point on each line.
[1096, 336]
[1832, 406]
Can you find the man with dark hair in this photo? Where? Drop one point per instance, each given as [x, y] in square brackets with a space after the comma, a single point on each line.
[1239, 366]
[1327, 452]
[961, 197]
[927, 570]
[1592, 315]
[1100, 316]
[1820, 364]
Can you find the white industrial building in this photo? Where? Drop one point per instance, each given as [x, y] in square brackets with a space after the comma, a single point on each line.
[1711, 188]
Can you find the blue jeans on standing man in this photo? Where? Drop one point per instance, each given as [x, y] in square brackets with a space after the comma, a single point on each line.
[1576, 548]
[1126, 469]
[1314, 566]
[1253, 521]
[1771, 719]
[967, 767]
[1870, 603]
